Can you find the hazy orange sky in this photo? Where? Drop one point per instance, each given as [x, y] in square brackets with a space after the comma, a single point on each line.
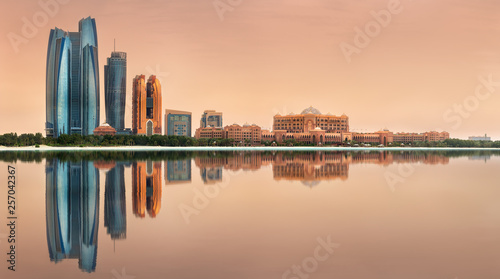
[264, 57]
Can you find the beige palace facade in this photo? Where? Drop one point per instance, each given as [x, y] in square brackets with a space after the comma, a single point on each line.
[313, 127]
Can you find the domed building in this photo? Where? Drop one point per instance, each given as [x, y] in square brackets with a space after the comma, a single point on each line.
[104, 165]
[311, 110]
[104, 129]
[313, 127]
[310, 126]
[309, 119]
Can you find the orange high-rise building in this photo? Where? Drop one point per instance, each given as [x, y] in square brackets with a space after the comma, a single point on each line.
[146, 188]
[146, 106]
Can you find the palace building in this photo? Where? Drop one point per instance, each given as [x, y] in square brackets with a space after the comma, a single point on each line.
[313, 127]
[310, 126]
[310, 119]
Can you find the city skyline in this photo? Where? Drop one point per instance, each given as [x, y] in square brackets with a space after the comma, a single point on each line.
[282, 69]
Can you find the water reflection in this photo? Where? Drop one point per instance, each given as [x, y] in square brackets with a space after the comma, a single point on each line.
[146, 188]
[309, 167]
[115, 214]
[177, 171]
[72, 205]
[72, 187]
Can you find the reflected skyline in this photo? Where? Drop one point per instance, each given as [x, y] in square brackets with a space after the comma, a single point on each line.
[73, 190]
[310, 167]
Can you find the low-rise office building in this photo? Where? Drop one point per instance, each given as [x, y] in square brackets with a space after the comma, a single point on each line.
[177, 123]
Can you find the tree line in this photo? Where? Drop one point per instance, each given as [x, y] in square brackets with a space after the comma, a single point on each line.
[14, 140]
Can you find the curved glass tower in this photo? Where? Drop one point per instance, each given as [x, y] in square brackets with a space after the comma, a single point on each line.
[72, 81]
[58, 83]
[90, 90]
[115, 75]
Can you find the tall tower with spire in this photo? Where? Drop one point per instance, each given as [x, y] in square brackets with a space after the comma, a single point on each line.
[115, 89]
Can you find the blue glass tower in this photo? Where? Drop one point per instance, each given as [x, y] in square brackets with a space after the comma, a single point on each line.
[72, 81]
[115, 81]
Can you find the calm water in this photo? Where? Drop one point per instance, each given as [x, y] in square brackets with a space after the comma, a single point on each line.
[254, 215]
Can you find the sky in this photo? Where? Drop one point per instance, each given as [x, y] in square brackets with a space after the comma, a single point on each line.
[406, 66]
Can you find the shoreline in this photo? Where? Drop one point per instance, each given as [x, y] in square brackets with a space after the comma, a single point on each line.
[45, 148]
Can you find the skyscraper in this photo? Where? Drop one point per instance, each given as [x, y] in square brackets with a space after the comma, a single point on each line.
[146, 106]
[211, 118]
[72, 81]
[115, 74]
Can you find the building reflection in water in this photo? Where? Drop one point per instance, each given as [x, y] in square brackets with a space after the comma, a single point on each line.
[72, 212]
[72, 189]
[177, 171]
[308, 167]
[115, 215]
[146, 188]
[210, 169]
